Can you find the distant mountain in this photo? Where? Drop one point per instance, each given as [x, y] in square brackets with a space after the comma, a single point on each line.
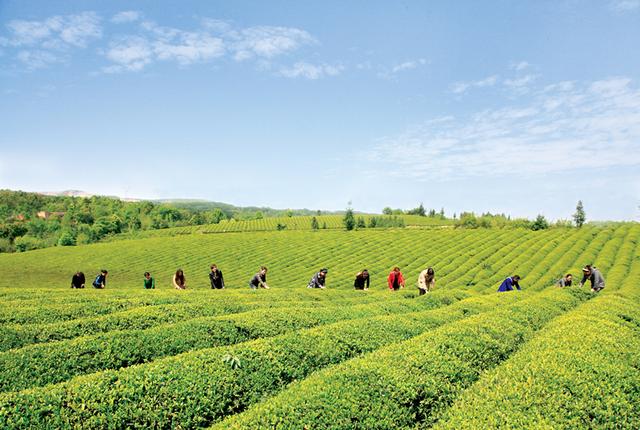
[193, 204]
[67, 193]
[79, 193]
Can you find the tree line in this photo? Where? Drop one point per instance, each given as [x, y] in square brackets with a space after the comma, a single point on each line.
[31, 220]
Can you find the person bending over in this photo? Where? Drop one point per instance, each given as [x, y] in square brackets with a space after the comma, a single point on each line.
[179, 281]
[318, 280]
[78, 280]
[592, 274]
[362, 280]
[259, 280]
[509, 283]
[395, 279]
[216, 278]
[426, 281]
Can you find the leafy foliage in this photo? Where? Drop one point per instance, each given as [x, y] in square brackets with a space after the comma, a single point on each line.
[235, 358]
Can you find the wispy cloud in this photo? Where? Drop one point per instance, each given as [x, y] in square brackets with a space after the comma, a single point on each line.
[267, 42]
[311, 71]
[567, 125]
[37, 59]
[212, 39]
[129, 54]
[55, 32]
[392, 72]
[622, 6]
[126, 16]
[520, 84]
[39, 44]
[519, 66]
[461, 87]
[408, 65]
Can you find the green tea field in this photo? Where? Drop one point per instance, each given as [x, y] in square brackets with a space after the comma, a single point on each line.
[460, 357]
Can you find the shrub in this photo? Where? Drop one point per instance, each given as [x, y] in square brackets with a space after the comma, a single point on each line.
[27, 243]
[410, 382]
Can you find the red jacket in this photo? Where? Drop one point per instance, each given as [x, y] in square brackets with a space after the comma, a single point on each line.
[392, 277]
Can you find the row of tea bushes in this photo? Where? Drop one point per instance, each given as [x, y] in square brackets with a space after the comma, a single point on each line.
[198, 388]
[410, 382]
[38, 365]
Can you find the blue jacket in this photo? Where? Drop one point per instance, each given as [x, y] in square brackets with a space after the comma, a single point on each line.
[507, 285]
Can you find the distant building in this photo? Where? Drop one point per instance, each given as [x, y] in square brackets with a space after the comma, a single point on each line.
[49, 215]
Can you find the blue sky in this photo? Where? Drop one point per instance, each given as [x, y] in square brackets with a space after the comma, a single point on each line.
[501, 106]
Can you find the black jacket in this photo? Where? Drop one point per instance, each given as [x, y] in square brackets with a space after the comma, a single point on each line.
[217, 280]
[78, 281]
[360, 282]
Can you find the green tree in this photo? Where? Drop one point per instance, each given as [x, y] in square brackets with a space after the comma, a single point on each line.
[579, 217]
[417, 211]
[349, 221]
[215, 216]
[67, 239]
[360, 223]
[27, 243]
[540, 223]
[467, 220]
[387, 211]
[314, 223]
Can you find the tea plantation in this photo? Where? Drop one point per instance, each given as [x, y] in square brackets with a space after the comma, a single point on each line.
[462, 356]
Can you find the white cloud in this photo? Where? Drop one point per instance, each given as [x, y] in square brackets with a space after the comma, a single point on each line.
[57, 31]
[568, 126]
[39, 44]
[520, 85]
[212, 40]
[519, 66]
[216, 25]
[190, 48]
[311, 71]
[36, 59]
[392, 72]
[461, 87]
[133, 53]
[129, 54]
[408, 65]
[126, 16]
[622, 6]
[267, 41]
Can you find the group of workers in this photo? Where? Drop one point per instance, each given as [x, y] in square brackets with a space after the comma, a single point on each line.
[589, 273]
[395, 280]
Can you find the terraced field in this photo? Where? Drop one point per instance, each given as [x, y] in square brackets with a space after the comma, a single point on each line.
[463, 356]
[330, 222]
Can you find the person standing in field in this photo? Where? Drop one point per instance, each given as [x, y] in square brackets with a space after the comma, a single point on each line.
[592, 274]
[259, 280]
[149, 282]
[179, 281]
[101, 280]
[216, 278]
[362, 280]
[318, 280]
[426, 281]
[565, 281]
[508, 284]
[78, 280]
[395, 279]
